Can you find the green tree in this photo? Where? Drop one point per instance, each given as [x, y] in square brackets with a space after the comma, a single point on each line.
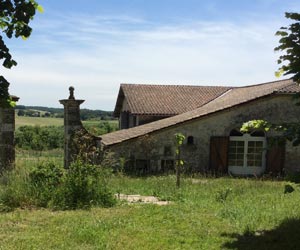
[289, 44]
[15, 16]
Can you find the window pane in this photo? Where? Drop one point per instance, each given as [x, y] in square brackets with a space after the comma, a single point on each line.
[250, 163]
[240, 163]
[254, 154]
[240, 150]
[251, 150]
[236, 153]
[240, 156]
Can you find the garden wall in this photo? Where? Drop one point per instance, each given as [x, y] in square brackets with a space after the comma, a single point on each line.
[7, 129]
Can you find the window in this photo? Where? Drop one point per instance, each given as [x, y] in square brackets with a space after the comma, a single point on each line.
[246, 153]
[167, 165]
[254, 153]
[190, 140]
[236, 153]
[142, 166]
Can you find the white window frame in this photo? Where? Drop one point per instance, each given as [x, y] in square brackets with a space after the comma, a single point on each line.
[245, 170]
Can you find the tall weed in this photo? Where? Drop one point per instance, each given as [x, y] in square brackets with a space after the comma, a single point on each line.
[49, 185]
[82, 186]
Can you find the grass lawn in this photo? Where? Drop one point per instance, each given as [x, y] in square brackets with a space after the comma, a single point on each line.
[206, 213]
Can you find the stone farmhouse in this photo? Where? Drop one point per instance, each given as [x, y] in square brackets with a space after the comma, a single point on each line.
[210, 118]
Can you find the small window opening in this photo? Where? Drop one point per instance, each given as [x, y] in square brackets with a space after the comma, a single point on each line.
[167, 165]
[190, 140]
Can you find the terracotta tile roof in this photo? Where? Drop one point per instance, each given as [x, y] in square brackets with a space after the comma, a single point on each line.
[166, 100]
[289, 89]
[233, 97]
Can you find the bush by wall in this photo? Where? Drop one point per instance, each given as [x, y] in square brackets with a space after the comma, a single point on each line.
[51, 186]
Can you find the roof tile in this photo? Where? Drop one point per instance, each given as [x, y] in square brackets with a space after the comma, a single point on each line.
[231, 98]
[165, 99]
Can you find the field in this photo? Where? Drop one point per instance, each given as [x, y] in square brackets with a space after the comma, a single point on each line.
[38, 121]
[50, 121]
[206, 213]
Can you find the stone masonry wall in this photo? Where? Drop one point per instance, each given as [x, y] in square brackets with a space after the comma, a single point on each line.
[7, 128]
[276, 109]
[77, 141]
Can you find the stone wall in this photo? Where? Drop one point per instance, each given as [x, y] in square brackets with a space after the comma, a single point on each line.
[7, 128]
[77, 141]
[277, 109]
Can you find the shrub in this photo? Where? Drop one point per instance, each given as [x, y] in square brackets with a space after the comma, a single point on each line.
[39, 138]
[103, 127]
[44, 179]
[82, 186]
[48, 185]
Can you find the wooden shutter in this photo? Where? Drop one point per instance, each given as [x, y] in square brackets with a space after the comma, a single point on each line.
[219, 154]
[275, 155]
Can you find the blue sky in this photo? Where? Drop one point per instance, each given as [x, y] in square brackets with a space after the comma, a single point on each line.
[95, 45]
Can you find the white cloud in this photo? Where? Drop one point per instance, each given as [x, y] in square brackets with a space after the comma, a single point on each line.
[97, 54]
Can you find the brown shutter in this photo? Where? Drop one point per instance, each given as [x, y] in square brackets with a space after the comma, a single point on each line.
[219, 154]
[275, 155]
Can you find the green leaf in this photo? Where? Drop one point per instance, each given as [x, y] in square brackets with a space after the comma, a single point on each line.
[13, 104]
[40, 8]
[279, 73]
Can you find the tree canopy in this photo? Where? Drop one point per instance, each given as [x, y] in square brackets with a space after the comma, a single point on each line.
[289, 43]
[15, 16]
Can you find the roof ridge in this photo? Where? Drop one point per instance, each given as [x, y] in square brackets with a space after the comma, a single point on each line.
[189, 85]
[174, 85]
[290, 84]
[264, 83]
[217, 97]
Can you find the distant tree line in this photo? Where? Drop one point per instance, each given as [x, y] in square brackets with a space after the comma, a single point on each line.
[85, 114]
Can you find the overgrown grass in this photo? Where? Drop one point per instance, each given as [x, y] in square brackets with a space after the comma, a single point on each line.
[28, 158]
[206, 213]
[48, 185]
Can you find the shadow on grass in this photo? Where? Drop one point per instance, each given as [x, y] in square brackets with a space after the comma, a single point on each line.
[286, 236]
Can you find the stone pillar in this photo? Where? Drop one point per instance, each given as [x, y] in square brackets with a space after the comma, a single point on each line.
[72, 123]
[7, 130]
